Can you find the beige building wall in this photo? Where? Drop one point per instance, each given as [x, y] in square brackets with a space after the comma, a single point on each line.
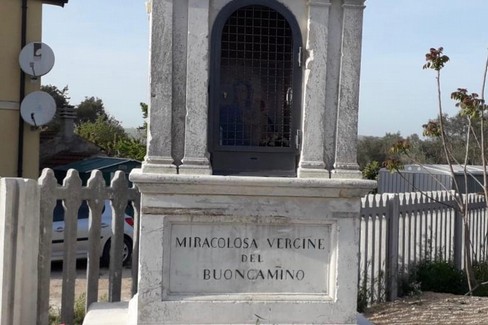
[10, 38]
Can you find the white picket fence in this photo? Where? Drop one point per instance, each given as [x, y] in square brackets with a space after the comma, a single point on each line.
[26, 219]
[399, 230]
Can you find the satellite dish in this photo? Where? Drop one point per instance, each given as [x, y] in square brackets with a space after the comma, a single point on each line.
[36, 59]
[38, 108]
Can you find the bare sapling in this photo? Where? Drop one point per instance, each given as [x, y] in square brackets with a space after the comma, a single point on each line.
[473, 109]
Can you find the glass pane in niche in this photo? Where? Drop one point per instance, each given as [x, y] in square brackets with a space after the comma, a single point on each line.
[256, 79]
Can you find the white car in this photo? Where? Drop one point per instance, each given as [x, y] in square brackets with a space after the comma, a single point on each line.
[57, 248]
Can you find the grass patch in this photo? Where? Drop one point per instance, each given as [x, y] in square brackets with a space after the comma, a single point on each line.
[79, 311]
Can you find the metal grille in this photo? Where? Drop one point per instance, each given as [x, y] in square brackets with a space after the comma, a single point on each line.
[255, 96]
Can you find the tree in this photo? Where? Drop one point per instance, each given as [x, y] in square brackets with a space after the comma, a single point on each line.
[90, 110]
[369, 149]
[423, 151]
[131, 148]
[94, 124]
[143, 129]
[144, 110]
[375, 148]
[457, 133]
[467, 130]
[105, 132]
[135, 147]
[60, 95]
[61, 99]
[108, 133]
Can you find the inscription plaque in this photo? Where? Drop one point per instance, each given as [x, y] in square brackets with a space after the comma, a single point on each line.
[249, 258]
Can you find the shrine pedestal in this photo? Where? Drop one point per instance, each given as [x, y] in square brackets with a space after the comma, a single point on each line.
[247, 250]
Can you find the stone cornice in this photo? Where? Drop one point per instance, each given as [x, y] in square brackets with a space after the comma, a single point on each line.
[249, 186]
[357, 4]
[319, 3]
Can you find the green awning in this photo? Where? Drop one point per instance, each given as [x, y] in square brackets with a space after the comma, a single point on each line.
[104, 164]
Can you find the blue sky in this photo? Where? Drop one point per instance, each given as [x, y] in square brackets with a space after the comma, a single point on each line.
[101, 50]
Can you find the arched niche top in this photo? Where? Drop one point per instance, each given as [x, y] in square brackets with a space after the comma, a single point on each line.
[232, 6]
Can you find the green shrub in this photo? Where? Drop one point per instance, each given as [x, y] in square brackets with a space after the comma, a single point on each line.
[362, 298]
[80, 309]
[481, 275]
[439, 276]
[371, 293]
[442, 276]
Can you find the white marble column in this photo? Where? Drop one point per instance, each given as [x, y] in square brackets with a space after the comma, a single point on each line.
[196, 156]
[346, 165]
[159, 136]
[312, 162]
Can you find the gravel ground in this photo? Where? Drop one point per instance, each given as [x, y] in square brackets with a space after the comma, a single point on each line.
[80, 286]
[431, 308]
[428, 308]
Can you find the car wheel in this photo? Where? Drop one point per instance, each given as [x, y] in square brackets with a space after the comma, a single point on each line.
[126, 255]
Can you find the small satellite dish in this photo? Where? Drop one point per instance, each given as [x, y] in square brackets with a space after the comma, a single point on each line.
[38, 108]
[36, 59]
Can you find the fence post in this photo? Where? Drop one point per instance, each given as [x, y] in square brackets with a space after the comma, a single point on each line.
[458, 239]
[136, 204]
[19, 247]
[119, 188]
[47, 185]
[393, 205]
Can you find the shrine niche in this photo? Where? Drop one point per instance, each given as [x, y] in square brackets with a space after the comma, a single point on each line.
[255, 76]
[255, 88]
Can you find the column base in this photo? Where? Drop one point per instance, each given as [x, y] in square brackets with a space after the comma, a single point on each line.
[312, 169]
[346, 170]
[159, 168]
[195, 166]
[346, 173]
[159, 165]
[312, 173]
[195, 170]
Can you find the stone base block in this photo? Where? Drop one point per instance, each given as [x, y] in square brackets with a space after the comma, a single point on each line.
[108, 313]
[247, 250]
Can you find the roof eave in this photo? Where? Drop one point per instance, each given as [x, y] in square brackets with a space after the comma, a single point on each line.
[60, 3]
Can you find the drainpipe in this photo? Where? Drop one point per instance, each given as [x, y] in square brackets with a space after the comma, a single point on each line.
[23, 36]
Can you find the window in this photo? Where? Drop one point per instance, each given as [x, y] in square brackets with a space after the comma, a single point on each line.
[255, 105]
